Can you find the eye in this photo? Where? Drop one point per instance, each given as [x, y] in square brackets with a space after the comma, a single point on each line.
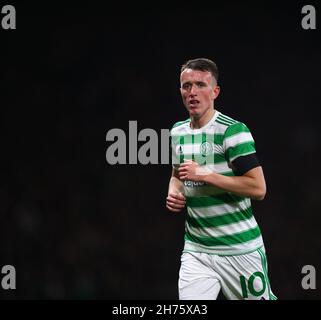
[186, 86]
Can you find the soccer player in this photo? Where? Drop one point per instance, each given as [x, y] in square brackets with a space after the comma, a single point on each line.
[215, 174]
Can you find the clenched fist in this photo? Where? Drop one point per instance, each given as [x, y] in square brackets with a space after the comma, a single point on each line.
[175, 202]
[192, 171]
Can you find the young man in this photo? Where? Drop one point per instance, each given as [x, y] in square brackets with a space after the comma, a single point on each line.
[215, 174]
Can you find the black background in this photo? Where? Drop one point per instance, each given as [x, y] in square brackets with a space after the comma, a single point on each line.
[76, 227]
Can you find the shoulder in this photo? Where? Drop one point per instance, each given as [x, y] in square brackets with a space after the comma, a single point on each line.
[231, 126]
[179, 126]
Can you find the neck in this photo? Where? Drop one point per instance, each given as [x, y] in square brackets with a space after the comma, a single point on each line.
[199, 122]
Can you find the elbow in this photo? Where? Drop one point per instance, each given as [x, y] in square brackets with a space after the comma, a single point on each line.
[260, 197]
[258, 186]
[259, 194]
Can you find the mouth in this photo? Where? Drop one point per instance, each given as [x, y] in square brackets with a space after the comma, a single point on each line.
[193, 103]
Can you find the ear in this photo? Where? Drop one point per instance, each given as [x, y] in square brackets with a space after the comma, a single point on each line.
[216, 91]
[181, 90]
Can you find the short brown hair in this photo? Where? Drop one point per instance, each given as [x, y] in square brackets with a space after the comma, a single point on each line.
[202, 64]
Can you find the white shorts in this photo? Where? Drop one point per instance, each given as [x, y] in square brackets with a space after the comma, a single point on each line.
[202, 276]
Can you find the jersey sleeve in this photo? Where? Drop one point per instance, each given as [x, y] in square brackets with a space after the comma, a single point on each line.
[175, 152]
[238, 141]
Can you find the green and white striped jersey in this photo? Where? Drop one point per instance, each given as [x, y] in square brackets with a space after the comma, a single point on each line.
[217, 221]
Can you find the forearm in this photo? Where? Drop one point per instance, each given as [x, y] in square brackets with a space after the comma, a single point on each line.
[242, 185]
[175, 201]
[175, 185]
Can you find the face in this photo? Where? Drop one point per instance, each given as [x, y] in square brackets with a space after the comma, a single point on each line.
[198, 90]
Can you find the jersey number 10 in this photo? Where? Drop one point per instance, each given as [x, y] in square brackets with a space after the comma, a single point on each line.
[248, 285]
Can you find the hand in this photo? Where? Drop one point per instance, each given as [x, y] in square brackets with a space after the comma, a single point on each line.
[175, 202]
[192, 171]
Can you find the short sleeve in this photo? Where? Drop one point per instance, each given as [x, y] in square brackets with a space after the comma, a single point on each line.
[175, 152]
[238, 141]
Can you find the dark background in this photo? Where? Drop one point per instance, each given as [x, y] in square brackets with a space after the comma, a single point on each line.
[76, 227]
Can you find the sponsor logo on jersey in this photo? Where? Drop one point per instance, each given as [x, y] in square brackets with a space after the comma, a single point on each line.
[193, 184]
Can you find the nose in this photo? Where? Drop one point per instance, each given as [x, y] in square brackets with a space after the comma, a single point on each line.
[193, 90]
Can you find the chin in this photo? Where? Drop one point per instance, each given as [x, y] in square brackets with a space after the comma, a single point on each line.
[194, 113]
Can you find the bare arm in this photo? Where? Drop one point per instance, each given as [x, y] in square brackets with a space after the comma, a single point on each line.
[251, 184]
[175, 200]
[175, 184]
